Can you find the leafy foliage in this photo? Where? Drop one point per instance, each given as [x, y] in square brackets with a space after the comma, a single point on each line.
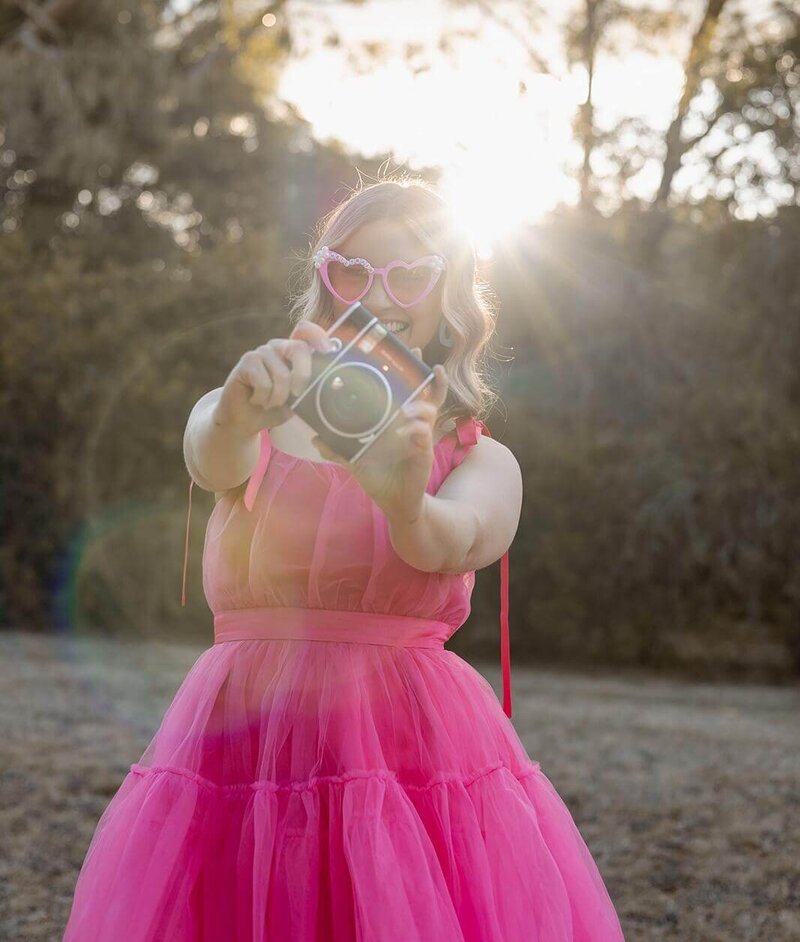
[152, 208]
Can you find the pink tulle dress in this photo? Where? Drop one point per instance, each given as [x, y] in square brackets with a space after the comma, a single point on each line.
[327, 771]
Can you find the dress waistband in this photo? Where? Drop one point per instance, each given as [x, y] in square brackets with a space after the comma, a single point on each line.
[328, 624]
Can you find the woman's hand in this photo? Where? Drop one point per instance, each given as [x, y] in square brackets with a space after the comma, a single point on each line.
[256, 391]
[395, 470]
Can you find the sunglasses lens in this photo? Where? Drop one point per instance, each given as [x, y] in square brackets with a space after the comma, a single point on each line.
[349, 281]
[410, 284]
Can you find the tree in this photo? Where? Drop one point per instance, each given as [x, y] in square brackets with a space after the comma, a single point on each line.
[740, 83]
[595, 30]
[148, 205]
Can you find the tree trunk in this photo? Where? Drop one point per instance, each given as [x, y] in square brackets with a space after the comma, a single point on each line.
[587, 108]
[675, 148]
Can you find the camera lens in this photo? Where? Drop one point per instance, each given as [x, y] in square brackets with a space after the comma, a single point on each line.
[354, 399]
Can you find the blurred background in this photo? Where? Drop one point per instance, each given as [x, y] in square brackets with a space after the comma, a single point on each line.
[629, 172]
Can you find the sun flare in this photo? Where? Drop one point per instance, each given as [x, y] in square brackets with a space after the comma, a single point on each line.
[499, 130]
[511, 169]
[501, 144]
[509, 176]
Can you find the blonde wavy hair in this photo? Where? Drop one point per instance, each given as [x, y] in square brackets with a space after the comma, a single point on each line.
[469, 307]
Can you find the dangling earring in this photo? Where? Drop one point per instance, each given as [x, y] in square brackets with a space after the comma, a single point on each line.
[445, 337]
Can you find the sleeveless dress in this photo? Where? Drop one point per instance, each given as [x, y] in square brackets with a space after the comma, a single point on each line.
[327, 771]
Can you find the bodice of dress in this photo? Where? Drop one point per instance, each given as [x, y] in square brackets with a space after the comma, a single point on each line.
[304, 533]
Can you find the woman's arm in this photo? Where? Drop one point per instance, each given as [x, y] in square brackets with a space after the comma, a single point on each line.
[218, 456]
[472, 519]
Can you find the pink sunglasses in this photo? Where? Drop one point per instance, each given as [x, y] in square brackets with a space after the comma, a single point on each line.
[349, 279]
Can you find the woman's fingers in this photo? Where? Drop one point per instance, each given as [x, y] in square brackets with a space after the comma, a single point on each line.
[298, 352]
[254, 373]
[312, 333]
[421, 408]
[436, 391]
[440, 384]
[279, 372]
[416, 430]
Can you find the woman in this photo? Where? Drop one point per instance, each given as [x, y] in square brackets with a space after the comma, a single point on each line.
[327, 770]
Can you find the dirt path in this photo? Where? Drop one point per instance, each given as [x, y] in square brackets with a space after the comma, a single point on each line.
[688, 795]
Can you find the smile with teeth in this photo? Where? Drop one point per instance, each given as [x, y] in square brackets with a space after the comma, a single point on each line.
[395, 326]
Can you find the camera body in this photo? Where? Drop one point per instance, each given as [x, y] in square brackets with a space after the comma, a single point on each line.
[356, 390]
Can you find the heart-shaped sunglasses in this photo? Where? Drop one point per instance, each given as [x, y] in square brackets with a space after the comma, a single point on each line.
[349, 279]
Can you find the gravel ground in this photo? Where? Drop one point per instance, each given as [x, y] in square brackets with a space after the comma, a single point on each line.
[687, 794]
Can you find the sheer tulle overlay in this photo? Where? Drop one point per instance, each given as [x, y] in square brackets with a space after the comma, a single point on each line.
[328, 771]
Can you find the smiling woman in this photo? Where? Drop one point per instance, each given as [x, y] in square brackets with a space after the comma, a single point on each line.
[328, 769]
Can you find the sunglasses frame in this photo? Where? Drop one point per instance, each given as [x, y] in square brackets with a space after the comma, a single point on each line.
[326, 254]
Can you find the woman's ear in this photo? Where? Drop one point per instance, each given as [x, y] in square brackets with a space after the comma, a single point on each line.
[432, 353]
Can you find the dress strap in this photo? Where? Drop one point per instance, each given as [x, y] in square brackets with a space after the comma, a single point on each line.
[261, 468]
[467, 433]
[186, 545]
[249, 497]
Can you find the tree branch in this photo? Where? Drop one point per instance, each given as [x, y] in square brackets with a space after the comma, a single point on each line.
[697, 53]
[48, 18]
[42, 18]
[490, 11]
[220, 50]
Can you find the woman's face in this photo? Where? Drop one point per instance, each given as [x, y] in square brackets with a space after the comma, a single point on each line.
[380, 243]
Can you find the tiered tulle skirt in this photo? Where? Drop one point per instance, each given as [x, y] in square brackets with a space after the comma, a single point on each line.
[309, 791]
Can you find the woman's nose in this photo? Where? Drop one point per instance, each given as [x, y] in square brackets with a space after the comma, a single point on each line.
[376, 299]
